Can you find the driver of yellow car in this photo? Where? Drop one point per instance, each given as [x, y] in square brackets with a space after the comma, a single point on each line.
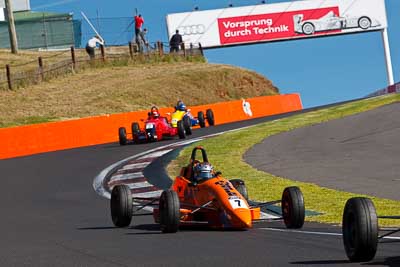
[180, 106]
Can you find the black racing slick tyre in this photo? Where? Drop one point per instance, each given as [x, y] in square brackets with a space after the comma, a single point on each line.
[240, 186]
[187, 124]
[210, 117]
[181, 130]
[360, 229]
[169, 211]
[122, 136]
[121, 205]
[135, 128]
[293, 210]
[201, 118]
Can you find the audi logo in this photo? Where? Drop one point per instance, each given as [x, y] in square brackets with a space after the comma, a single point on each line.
[192, 29]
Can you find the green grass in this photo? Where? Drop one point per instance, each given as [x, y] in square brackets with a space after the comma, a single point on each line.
[226, 154]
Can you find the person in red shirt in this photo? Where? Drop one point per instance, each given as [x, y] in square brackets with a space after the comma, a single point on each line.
[138, 24]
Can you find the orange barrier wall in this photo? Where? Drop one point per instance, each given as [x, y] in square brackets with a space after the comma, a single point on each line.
[45, 137]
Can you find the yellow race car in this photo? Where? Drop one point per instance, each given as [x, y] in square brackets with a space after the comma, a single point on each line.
[183, 114]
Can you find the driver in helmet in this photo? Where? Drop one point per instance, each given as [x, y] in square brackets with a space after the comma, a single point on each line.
[154, 113]
[180, 106]
[203, 171]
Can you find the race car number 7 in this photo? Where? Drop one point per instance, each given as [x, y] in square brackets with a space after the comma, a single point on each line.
[237, 203]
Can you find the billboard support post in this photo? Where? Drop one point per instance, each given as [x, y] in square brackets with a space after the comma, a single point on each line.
[388, 59]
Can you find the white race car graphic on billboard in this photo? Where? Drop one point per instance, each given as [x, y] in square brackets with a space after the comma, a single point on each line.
[331, 21]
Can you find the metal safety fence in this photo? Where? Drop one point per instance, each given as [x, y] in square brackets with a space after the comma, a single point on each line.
[56, 64]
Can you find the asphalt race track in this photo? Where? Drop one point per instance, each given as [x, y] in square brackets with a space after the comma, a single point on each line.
[51, 216]
[359, 153]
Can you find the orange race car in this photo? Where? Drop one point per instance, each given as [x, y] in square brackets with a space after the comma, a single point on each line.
[201, 196]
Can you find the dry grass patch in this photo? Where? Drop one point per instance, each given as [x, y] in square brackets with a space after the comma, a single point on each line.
[128, 88]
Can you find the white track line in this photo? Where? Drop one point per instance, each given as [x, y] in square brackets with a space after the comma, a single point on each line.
[301, 232]
[317, 233]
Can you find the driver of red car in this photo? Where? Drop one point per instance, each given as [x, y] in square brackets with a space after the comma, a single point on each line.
[203, 171]
[154, 113]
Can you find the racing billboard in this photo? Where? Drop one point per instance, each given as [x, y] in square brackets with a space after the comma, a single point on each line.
[276, 22]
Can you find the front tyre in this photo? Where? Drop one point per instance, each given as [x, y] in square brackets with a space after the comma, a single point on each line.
[360, 229]
[293, 210]
[169, 211]
[121, 205]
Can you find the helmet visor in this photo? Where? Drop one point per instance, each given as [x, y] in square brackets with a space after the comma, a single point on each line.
[205, 175]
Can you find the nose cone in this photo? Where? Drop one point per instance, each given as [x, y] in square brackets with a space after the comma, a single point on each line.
[243, 218]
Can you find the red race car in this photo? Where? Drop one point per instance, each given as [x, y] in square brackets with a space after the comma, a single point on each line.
[200, 196]
[155, 128]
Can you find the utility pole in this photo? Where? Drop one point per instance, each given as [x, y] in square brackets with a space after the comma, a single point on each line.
[11, 28]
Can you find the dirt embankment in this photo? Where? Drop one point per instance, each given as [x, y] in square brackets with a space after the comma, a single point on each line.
[129, 88]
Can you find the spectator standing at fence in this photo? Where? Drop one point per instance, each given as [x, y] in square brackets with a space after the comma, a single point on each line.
[175, 42]
[138, 24]
[141, 40]
[92, 44]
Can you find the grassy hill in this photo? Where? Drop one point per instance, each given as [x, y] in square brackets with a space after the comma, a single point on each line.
[114, 89]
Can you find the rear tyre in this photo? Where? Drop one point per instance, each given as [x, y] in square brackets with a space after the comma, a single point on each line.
[240, 186]
[121, 205]
[169, 211]
[187, 125]
[122, 136]
[135, 131]
[293, 211]
[210, 117]
[360, 229]
[200, 117]
[181, 130]
[135, 128]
